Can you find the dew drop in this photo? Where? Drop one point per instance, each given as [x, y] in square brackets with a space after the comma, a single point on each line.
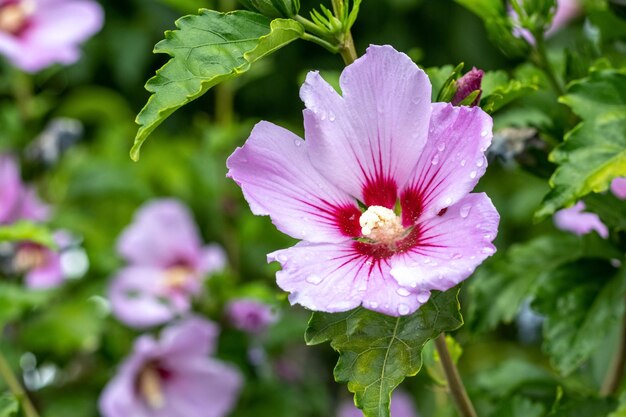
[403, 292]
[448, 201]
[423, 297]
[441, 147]
[463, 162]
[282, 258]
[314, 279]
[403, 309]
[331, 116]
[374, 304]
[480, 162]
[487, 236]
[323, 116]
[484, 133]
[465, 210]
[435, 159]
[488, 251]
[455, 256]
[473, 174]
[297, 142]
[414, 284]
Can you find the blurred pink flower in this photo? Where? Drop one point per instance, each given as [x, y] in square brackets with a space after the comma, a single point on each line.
[566, 11]
[410, 163]
[167, 265]
[41, 266]
[618, 188]
[401, 406]
[574, 220]
[249, 315]
[35, 34]
[18, 201]
[173, 377]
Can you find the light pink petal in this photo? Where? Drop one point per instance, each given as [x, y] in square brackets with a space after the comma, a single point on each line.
[162, 234]
[213, 259]
[190, 336]
[451, 246]
[574, 220]
[371, 135]
[202, 387]
[618, 188]
[138, 300]
[277, 179]
[334, 278]
[65, 22]
[566, 11]
[452, 161]
[10, 187]
[48, 275]
[31, 207]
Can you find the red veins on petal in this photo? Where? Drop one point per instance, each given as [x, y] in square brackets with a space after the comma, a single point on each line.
[380, 191]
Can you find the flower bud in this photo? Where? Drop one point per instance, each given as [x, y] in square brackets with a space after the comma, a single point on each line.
[466, 88]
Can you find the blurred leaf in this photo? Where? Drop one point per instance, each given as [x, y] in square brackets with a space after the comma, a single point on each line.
[584, 407]
[376, 352]
[207, 49]
[15, 300]
[27, 231]
[499, 289]
[9, 406]
[511, 376]
[612, 210]
[621, 409]
[594, 152]
[273, 8]
[520, 407]
[583, 303]
[499, 90]
[432, 361]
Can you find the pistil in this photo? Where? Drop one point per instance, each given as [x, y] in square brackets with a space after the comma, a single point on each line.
[381, 225]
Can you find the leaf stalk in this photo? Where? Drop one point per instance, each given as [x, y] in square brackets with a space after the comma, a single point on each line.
[16, 388]
[457, 389]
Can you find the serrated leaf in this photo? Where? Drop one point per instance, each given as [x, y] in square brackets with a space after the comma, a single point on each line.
[499, 290]
[207, 49]
[16, 300]
[9, 406]
[583, 303]
[594, 152]
[27, 231]
[376, 352]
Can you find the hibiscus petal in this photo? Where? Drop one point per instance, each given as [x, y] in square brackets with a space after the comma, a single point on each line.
[451, 246]
[135, 298]
[334, 278]
[191, 336]
[277, 179]
[48, 275]
[575, 220]
[162, 234]
[10, 187]
[452, 161]
[371, 135]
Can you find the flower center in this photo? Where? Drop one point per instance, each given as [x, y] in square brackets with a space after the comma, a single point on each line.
[150, 387]
[28, 258]
[14, 16]
[381, 224]
[177, 278]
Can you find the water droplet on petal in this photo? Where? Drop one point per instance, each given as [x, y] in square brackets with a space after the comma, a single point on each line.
[441, 146]
[465, 210]
[281, 258]
[323, 116]
[423, 297]
[297, 142]
[403, 309]
[484, 133]
[455, 256]
[331, 116]
[403, 292]
[480, 162]
[488, 251]
[374, 304]
[463, 162]
[435, 159]
[473, 174]
[448, 201]
[314, 279]
[487, 236]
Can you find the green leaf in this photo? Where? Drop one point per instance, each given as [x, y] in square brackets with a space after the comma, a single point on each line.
[273, 8]
[499, 90]
[583, 303]
[447, 91]
[9, 406]
[498, 290]
[15, 300]
[612, 210]
[206, 50]
[520, 407]
[594, 152]
[27, 231]
[376, 352]
[432, 361]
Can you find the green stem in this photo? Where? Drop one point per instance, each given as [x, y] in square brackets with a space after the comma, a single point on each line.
[457, 389]
[543, 63]
[311, 27]
[346, 43]
[16, 388]
[224, 104]
[616, 368]
[312, 38]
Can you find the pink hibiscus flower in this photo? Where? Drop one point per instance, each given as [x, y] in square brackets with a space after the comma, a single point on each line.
[167, 265]
[35, 34]
[173, 376]
[18, 201]
[378, 192]
[575, 220]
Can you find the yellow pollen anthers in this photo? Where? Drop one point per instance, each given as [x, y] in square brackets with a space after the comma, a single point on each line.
[13, 16]
[177, 277]
[381, 224]
[149, 384]
[28, 258]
